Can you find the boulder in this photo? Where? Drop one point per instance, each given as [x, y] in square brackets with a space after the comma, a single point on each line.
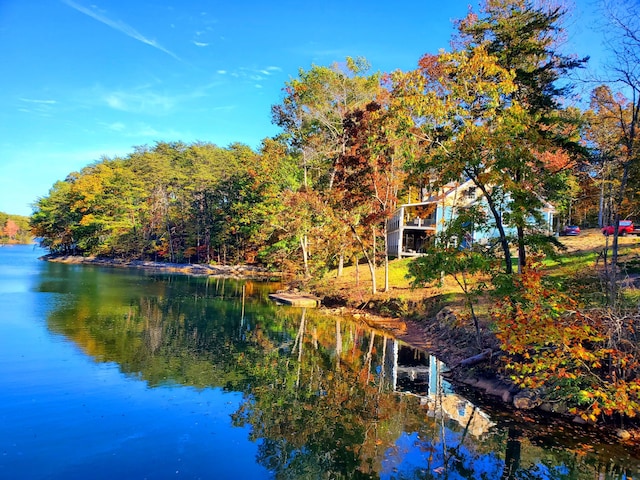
[623, 434]
[492, 386]
[555, 407]
[527, 400]
[446, 315]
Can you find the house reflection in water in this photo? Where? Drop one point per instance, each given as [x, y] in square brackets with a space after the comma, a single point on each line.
[416, 372]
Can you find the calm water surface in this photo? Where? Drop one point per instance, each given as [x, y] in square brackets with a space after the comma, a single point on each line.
[109, 373]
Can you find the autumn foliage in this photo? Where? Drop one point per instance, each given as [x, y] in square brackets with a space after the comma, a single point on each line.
[569, 355]
[14, 229]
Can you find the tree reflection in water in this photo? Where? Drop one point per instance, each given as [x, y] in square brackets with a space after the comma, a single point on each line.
[324, 397]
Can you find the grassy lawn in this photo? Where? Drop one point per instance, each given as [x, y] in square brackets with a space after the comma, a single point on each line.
[576, 268]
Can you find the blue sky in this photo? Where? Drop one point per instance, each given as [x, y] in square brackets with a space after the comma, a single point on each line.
[83, 79]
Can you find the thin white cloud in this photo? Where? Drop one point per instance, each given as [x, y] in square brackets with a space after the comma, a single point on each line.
[141, 132]
[35, 106]
[120, 26]
[258, 73]
[200, 44]
[139, 101]
[117, 126]
[144, 132]
[221, 72]
[116, 102]
[143, 99]
[37, 101]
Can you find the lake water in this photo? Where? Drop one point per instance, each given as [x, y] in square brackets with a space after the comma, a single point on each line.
[112, 373]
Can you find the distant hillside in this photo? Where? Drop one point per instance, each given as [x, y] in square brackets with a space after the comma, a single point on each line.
[14, 229]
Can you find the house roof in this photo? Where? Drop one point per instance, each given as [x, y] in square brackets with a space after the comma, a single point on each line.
[448, 190]
[452, 189]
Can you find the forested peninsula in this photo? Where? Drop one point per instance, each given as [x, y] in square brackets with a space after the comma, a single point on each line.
[470, 166]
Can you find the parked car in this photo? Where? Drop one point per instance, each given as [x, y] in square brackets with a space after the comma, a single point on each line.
[625, 227]
[571, 230]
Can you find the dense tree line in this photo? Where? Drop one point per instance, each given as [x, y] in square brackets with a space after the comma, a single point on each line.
[170, 202]
[14, 229]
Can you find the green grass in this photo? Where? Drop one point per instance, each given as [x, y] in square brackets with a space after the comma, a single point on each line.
[398, 271]
[568, 264]
[575, 272]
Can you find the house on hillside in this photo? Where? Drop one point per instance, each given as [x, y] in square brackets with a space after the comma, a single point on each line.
[413, 226]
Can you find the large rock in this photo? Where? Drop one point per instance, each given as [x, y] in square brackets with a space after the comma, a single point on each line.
[492, 386]
[527, 400]
[623, 434]
[446, 316]
[555, 407]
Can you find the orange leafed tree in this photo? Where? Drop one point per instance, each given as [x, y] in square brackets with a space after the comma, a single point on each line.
[568, 354]
[11, 229]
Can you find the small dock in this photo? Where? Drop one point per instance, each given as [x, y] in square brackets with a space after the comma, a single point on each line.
[295, 299]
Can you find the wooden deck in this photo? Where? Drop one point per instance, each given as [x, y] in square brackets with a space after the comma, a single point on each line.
[296, 299]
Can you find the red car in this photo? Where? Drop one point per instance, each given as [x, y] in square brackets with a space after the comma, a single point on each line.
[625, 227]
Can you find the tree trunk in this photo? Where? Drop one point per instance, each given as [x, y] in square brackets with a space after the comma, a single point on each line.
[522, 251]
[305, 255]
[372, 263]
[386, 258]
[601, 209]
[171, 254]
[340, 265]
[372, 270]
[338, 343]
[370, 260]
[613, 272]
[504, 243]
[475, 359]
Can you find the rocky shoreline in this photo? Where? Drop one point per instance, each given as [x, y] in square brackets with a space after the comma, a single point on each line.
[476, 372]
[248, 272]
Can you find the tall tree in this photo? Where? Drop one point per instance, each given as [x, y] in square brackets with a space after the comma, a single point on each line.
[312, 115]
[368, 178]
[313, 111]
[54, 219]
[524, 36]
[616, 106]
[455, 108]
